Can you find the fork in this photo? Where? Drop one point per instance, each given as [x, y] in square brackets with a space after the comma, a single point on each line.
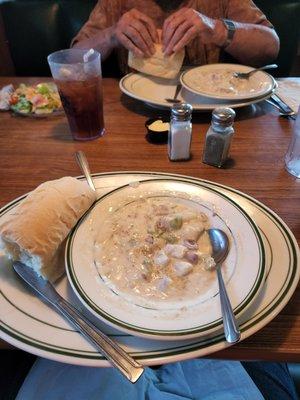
[246, 75]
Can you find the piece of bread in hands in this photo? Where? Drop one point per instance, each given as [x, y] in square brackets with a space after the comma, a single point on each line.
[158, 65]
[35, 230]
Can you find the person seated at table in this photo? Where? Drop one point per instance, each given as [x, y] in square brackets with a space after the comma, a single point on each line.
[198, 25]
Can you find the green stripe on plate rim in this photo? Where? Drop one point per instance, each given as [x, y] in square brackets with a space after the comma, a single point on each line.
[94, 354]
[150, 354]
[277, 300]
[155, 332]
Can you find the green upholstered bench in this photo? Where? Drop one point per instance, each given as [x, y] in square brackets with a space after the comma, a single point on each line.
[36, 28]
[285, 16]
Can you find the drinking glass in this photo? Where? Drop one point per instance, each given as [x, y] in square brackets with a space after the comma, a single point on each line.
[292, 157]
[77, 74]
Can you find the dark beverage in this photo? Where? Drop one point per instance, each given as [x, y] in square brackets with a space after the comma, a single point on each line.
[83, 103]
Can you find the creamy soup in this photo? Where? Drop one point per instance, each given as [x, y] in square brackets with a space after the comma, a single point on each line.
[222, 82]
[156, 248]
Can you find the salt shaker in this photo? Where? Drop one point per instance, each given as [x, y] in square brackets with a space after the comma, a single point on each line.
[218, 136]
[180, 133]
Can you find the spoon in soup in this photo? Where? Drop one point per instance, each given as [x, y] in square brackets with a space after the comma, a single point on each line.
[220, 247]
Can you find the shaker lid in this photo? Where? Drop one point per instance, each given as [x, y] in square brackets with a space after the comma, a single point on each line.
[223, 115]
[181, 110]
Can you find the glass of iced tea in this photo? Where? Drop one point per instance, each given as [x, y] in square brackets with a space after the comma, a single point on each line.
[77, 74]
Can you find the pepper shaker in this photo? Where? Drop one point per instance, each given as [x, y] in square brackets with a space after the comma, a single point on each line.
[218, 136]
[180, 133]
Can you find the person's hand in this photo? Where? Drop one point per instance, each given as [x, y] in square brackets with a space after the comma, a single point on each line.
[137, 33]
[183, 26]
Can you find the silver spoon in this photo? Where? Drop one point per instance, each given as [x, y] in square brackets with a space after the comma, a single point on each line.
[177, 91]
[220, 247]
[84, 166]
[246, 75]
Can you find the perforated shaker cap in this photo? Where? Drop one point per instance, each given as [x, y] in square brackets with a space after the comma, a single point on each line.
[181, 111]
[223, 116]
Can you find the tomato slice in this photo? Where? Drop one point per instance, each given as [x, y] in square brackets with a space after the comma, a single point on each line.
[14, 99]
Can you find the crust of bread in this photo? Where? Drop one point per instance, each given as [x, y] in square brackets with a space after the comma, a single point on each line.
[35, 230]
[158, 65]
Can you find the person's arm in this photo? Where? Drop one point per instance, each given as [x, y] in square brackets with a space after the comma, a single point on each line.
[97, 32]
[103, 41]
[255, 42]
[107, 28]
[252, 44]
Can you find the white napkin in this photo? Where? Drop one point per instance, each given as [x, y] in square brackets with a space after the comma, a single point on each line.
[5, 94]
[289, 91]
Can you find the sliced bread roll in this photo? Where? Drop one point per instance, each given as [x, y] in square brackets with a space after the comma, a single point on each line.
[158, 65]
[35, 230]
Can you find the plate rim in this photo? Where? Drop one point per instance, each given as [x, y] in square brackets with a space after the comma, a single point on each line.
[150, 357]
[156, 333]
[196, 107]
[224, 97]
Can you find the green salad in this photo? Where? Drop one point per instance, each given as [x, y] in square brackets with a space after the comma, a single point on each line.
[40, 99]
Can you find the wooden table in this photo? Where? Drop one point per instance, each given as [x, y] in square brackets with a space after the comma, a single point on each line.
[35, 150]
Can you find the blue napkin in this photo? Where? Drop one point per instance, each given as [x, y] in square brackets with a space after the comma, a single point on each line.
[194, 379]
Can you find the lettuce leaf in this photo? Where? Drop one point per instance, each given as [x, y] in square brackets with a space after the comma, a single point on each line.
[23, 105]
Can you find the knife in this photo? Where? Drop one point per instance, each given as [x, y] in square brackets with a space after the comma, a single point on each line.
[285, 107]
[130, 368]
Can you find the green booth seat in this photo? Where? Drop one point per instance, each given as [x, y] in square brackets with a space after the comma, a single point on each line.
[36, 28]
[285, 16]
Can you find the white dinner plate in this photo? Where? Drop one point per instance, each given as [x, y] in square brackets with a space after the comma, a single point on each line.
[216, 81]
[168, 318]
[29, 324]
[154, 91]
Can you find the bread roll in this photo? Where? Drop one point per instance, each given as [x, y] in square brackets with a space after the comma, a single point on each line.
[158, 65]
[35, 230]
